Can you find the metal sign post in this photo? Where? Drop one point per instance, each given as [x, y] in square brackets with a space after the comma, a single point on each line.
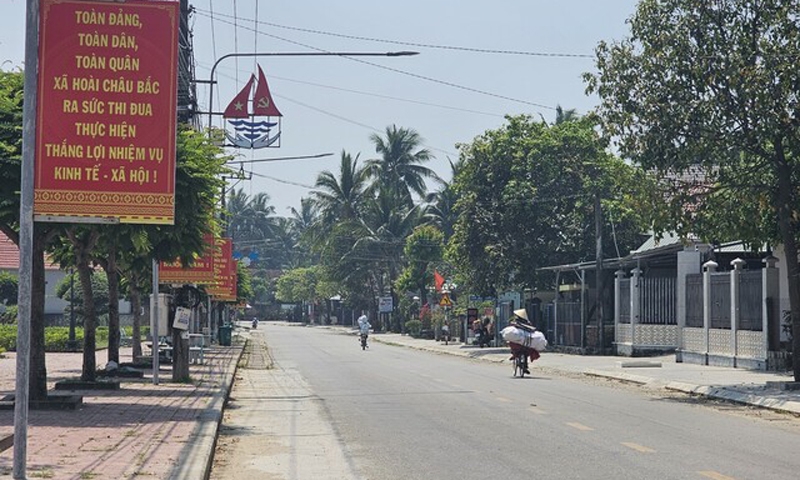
[154, 322]
[26, 239]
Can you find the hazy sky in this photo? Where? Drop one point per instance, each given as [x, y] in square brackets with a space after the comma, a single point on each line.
[329, 104]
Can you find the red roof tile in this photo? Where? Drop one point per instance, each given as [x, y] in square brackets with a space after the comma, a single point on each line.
[9, 255]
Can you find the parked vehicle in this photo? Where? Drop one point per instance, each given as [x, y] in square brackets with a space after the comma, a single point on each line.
[482, 337]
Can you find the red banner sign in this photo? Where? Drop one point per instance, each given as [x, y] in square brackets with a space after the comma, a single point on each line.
[106, 120]
[201, 272]
[224, 288]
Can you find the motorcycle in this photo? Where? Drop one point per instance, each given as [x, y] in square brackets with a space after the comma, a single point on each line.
[446, 334]
[255, 323]
[364, 345]
[482, 338]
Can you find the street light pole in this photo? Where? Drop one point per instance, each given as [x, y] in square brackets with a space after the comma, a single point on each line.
[291, 54]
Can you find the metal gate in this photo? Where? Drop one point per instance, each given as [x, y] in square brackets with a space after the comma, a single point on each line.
[694, 300]
[658, 305]
[568, 324]
[721, 300]
[625, 300]
[750, 301]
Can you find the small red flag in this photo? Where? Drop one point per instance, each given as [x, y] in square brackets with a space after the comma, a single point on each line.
[438, 281]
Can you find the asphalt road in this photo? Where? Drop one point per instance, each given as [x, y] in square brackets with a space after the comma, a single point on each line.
[396, 413]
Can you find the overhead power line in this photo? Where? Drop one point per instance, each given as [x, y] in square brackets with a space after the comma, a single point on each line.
[287, 182]
[279, 159]
[338, 117]
[427, 45]
[401, 72]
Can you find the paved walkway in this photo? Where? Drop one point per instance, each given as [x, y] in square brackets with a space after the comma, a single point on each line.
[164, 431]
[733, 384]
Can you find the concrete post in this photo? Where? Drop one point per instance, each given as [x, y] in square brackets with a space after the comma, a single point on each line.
[688, 263]
[636, 275]
[618, 276]
[708, 268]
[770, 308]
[736, 275]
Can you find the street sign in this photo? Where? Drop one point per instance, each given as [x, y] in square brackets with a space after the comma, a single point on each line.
[385, 305]
[445, 301]
[105, 138]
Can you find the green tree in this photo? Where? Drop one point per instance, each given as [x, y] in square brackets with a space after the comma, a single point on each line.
[9, 288]
[342, 198]
[441, 208]
[298, 286]
[11, 97]
[709, 90]
[563, 116]
[423, 247]
[303, 225]
[244, 283]
[198, 181]
[526, 200]
[400, 169]
[100, 292]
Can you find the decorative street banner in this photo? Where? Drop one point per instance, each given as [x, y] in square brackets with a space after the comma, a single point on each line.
[252, 126]
[106, 119]
[201, 271]
[224, 287]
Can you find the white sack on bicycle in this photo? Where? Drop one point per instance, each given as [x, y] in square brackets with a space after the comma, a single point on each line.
[535, 340]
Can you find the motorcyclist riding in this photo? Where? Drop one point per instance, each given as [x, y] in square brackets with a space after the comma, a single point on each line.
[363, 328]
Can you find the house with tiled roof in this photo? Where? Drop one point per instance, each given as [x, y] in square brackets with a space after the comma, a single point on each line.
[9, 262]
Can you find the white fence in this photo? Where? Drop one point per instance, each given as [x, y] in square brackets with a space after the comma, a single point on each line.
[710, 318]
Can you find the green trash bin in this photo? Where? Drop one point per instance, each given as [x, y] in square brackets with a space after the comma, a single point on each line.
[225, 335]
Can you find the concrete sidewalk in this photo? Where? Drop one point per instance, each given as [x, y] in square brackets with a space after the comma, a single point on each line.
[165, 431]
[737, 385]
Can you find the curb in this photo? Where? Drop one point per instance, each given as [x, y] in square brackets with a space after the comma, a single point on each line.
[624, 377]
[722, 393]
[199, 459]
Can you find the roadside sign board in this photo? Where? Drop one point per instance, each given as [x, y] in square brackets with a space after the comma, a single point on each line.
[200, 272]
[445, 301]
[106, 122]
[385, 304]
[224, 287]
[183, 317]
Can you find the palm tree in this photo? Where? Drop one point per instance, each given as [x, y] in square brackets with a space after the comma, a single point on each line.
[282, 247]
[563, 116]
[340, 199]
[441, 209]
[251, 223]
[400, 168]
[249, 219]
[304, 225]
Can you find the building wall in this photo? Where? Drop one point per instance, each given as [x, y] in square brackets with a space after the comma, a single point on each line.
[55, 306]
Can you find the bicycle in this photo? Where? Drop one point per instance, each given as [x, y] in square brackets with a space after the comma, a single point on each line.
[446, 334]
[364, 341]
[520, 364]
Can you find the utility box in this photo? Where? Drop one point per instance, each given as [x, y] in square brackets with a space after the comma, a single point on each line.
[163, 314]
[225, 335]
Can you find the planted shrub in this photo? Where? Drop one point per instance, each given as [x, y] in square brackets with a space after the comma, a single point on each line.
[414, 327]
